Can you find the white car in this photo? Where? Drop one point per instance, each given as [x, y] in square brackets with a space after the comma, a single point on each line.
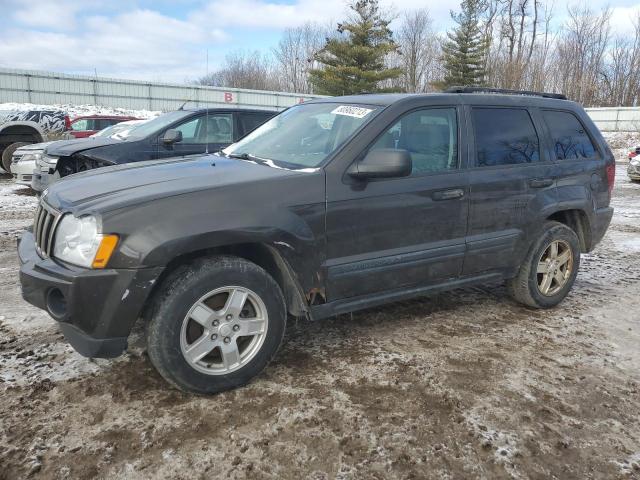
[23, 162]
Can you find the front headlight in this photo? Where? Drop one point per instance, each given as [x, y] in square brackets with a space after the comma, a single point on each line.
[31, 157]
[78, 242]
[48, 159]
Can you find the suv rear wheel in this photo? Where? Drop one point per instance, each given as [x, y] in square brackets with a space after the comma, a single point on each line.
[549, 270]
[216, 324]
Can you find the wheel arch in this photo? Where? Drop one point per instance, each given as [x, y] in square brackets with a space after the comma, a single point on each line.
[12, 132]
[578, 221]
[264, 255]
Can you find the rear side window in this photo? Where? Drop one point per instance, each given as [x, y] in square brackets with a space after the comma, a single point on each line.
[252, 121]
[430, 136]
[570, 140]
[504, 136]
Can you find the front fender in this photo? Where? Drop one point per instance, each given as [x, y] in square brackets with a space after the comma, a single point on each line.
[290, 220]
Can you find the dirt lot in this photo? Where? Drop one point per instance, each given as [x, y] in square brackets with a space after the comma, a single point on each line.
[465, 384]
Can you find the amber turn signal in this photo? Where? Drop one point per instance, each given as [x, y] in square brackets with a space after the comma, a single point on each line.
[106, 248]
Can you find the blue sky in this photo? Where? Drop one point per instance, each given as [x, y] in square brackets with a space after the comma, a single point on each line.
[167, 40]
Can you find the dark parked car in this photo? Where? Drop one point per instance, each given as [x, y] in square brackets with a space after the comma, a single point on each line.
[85, 126]
[335, 205]
[178, 133]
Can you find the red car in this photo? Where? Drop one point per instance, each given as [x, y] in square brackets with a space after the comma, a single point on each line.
[86, 126]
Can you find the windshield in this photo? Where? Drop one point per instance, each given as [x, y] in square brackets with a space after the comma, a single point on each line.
[119, 131]
[303, 136]
[157, 124]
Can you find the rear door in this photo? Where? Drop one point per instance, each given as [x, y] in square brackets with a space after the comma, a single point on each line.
[247, 122]
[582, 170]
[395, 233]
[511, 180]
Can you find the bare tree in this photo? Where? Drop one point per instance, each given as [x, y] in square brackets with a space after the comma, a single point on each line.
[241, 69]
[419, 52]
[580, 53]
[295, 55]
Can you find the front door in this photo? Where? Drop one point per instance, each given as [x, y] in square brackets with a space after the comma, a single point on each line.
[214, 131]
[394, 233]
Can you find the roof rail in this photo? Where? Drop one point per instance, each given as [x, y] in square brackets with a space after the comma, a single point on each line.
[505, 91]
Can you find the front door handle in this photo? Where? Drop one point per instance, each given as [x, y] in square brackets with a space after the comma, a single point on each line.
[448, 194]
[540, 182]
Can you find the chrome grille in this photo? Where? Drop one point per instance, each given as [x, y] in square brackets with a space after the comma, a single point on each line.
[44, 227]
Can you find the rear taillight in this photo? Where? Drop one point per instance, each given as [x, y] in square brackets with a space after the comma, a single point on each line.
[611, 176]
[67, 122]
[633, 154]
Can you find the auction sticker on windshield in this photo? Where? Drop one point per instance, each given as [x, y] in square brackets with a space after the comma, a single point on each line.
[350, 111]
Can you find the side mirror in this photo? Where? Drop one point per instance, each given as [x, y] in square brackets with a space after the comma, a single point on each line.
[172, 136]
[382, 163]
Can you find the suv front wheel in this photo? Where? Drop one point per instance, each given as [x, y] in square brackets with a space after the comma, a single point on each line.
[550, 268]
[215, 324]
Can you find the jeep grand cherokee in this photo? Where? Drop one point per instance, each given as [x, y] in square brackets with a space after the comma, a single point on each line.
[335, 205]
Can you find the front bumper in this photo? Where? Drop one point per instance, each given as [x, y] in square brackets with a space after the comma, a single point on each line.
[23, 172]
[96, 309]
[633, 172]
[43, 176]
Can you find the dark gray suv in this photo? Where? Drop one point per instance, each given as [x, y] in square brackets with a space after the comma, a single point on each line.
[335, 205]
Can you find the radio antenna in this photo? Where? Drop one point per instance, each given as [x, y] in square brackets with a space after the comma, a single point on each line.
[206, 124]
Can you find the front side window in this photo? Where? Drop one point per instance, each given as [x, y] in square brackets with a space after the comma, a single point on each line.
[188, 130]
[212, 128]
[570, 140]
[80, 125]
[430, 136]
[305, 135]
[504, 136]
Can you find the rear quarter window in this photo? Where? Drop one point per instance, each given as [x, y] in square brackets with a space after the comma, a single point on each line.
[504, 136]
[569, 137]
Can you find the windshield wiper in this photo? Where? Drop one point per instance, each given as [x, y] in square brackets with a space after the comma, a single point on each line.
[247, 156]
[241, 156]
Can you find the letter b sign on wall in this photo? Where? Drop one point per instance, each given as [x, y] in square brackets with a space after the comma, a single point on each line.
[228, 97]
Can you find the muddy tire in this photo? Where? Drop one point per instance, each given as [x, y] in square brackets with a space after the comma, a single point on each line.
[550, 268]
[215, 324]
[8, 153]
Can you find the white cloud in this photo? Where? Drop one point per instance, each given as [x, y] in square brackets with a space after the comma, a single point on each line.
[268, 14]
[59, 15]
[137, 44]
[272, 14]
[624, 19]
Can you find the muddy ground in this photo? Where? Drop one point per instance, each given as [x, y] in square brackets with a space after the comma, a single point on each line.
[466, 384]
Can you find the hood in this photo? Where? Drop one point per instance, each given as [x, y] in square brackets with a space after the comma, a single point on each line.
[33, 147]
[66, 148]
[109, 188]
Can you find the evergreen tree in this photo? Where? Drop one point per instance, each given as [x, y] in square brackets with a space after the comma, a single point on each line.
[354, 61]
[465, 50]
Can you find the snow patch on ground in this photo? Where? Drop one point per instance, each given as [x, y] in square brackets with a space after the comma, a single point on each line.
[16, 197]
[621, 143]
[81, 110]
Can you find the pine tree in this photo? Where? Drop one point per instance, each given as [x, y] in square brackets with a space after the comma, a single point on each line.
[354, 61]
[465, 50]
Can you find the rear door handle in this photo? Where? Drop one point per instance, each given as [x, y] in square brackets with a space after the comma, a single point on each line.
[448, 194]
[540, 182]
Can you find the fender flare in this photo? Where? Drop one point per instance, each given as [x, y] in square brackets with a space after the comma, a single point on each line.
[24, 123]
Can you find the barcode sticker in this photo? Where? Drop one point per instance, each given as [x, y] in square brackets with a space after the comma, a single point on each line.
[351, 111]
